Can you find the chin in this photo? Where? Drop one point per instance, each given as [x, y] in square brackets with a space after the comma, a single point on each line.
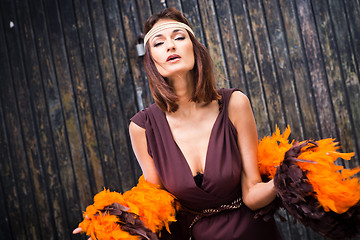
[176, 72]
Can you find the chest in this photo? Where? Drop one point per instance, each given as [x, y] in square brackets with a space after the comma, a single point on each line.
[192, 137]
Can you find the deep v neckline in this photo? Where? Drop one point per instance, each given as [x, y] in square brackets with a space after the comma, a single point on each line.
[208, 145]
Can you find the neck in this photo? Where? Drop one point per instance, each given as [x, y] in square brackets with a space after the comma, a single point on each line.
[183, 86]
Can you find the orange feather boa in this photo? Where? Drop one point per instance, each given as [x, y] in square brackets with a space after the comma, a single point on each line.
[154, 206]
[336, 188]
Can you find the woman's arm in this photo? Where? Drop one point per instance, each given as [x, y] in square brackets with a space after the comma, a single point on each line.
[139, 144]
[255, 193]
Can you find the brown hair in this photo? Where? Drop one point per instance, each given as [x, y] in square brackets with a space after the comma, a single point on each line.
[204, 79]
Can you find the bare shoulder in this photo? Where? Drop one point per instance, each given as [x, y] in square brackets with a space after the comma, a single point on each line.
[238, 99]
[135, 129]
[239, 105]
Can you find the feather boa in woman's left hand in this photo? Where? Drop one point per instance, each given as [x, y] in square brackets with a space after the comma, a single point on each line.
[310, 186]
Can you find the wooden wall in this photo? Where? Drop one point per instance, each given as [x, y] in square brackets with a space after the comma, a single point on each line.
[70, 79]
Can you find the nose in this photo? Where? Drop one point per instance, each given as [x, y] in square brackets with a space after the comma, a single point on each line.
[170, 45]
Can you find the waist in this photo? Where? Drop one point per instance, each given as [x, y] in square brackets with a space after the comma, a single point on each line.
[235, 204]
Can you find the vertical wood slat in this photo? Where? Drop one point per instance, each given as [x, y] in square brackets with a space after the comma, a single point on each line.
[213, 40]
[349, 72]
[81, 96]
[50, 171]
[317, 71]
[5, 229]
[175, 4]
[5, 224]
[251, 66]
[132, 30]
[334, 74]
[125, 88]
[144, 11]
[30, 136]
[97, 99]
[6, 172]
[17, 102]
[157, 6]
[112, 102]
[140, 87]
[352, 9]
[75, 80]
[231, 47]
[282, 68]
[56, 112]
[300, 70]
[192, 13]
[266, 64]
[72, 136]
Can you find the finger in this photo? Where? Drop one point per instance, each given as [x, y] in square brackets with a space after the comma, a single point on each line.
[77, 230]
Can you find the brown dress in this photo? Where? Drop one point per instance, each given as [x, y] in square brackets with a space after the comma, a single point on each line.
[220, 183]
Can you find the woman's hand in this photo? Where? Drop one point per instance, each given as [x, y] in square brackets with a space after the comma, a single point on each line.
[79, 229]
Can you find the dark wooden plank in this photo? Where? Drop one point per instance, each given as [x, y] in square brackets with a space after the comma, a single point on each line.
[118, 124]
[266, 64]
[283, 69]
[132, 30]
[124, 83]
[352, 11]
[158, 5]
[45, 147]
[301, 72]
[144, 10]
[97, 98]
[12, 223]
[336, 75]
[251, 67]
[231, 46]
[5, 229]
[29, 130]
[351, 80]
[315, 64]
[143, 13]
[192, 13]
[19, 162]
[82, 98]
[213, 41]
[72, 136]
[174, 3]
[55, 111]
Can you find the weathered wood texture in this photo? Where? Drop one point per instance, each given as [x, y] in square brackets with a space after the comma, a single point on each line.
[70, 79]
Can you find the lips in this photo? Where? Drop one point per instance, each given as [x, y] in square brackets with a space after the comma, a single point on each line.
[173, 57]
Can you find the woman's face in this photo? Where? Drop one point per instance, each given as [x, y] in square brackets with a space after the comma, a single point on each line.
[172, 50]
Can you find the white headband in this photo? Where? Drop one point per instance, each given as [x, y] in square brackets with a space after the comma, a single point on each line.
[163, 26]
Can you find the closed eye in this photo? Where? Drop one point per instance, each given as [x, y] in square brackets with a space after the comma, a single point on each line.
[158, 44]
[180, 38]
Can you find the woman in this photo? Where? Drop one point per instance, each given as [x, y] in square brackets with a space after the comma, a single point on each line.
[198, 143]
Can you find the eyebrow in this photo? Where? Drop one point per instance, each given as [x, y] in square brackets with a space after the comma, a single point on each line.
[175, 30]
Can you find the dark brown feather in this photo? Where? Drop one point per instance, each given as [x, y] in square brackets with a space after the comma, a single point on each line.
[129, 222]
[297, 197]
